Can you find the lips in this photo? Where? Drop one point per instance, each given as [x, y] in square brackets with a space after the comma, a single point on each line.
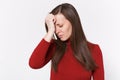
[60, 36]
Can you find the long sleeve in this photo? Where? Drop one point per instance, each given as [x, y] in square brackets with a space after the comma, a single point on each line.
[41, 54]
[98, 74]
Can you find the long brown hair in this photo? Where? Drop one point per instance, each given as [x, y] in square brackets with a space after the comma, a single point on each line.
[78, 40]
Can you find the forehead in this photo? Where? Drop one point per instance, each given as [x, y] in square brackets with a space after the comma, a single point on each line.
[60, 18]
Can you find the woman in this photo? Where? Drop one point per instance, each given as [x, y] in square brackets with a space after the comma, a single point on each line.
[65, 44]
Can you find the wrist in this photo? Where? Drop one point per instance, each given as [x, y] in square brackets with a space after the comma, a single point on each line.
[48, 37]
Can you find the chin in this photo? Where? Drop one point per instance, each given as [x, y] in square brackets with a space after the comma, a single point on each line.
[63, 39]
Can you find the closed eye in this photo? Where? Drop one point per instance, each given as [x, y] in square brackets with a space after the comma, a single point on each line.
[58, 25]
[61, 26]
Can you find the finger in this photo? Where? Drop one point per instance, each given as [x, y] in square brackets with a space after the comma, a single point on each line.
[54, 20]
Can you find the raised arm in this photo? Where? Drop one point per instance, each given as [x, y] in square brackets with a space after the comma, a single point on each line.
[45, 49]
[41, 54]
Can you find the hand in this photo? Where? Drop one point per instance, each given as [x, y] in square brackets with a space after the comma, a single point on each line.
[50, 21]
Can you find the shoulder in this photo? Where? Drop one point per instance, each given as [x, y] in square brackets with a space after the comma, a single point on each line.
[95, 50]
[93, 47]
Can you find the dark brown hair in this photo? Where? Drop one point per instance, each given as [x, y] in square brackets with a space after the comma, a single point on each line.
[78, 40]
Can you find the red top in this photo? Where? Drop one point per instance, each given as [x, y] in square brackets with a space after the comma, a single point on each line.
[68, 68]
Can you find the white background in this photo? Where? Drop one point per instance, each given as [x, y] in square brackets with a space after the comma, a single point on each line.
[22, 28]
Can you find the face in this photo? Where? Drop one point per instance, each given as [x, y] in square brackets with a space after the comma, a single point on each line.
[63, 27]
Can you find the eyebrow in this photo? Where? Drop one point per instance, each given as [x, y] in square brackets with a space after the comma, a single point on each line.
[58, 24]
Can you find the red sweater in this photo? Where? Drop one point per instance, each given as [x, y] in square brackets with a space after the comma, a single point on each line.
[68, 68]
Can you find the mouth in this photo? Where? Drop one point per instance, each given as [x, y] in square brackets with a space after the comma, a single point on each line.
[60, 36]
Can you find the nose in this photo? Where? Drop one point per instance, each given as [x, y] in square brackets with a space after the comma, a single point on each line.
[57, 31]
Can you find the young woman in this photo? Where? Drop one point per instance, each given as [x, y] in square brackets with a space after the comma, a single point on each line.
[72, 56]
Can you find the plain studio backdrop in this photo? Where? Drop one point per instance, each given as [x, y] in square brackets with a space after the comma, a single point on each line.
[22, 28]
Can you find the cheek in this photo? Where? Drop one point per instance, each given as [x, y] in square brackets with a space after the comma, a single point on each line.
[68, 31]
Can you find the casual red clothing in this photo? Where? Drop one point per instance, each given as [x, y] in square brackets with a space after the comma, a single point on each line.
[68, 68]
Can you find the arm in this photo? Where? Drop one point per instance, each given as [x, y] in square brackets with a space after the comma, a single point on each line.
[45, 49]
[98, 74]
[41, 54]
